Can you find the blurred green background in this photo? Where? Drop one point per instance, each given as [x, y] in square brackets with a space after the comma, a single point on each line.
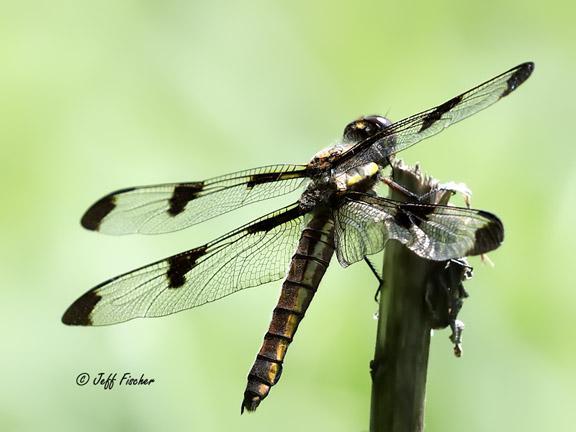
[95, 96]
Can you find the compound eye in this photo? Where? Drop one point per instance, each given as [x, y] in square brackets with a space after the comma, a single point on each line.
[365, 127]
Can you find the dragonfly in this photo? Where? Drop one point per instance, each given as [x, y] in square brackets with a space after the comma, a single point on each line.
[339, 212]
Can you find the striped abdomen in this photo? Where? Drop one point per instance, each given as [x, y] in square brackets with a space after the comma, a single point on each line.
[307, 267]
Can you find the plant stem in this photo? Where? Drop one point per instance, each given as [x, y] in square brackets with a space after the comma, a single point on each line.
[403, 337]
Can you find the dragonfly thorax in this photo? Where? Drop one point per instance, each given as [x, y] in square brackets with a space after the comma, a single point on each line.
[329, 182]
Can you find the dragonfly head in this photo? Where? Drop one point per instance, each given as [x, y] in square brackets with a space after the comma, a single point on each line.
[364, 127]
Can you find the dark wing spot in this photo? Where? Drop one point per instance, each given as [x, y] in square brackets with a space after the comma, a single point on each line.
[403, 218]
[181, 264]
[518, 77]
[412, 214]
[489, 237]
[256, 179]
[182, 195]
[274, 221]
[261, 178]
[100, 209]
[438, 112]
[79, 312]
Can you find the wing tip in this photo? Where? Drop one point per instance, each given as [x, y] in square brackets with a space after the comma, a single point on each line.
[490, 236]
[525, 70]
[94, 216]
[520, 74]
[98, 211]
[79, 313]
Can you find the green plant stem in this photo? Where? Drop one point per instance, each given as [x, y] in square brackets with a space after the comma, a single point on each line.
[400, 361]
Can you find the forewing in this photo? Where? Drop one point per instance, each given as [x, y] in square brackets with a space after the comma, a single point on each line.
[171, 207]
[411, 130]
[249, 256]
[364, 224]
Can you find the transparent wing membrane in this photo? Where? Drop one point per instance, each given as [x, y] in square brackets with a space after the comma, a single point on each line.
[411, 130]
[171, 207]
[365, 223]
[252, 255]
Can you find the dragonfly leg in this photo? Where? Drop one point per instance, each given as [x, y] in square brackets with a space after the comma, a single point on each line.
[377, 275]
[399, 188]
[457, 328]
[452, 188]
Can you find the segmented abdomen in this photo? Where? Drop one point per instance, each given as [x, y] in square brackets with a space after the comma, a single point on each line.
[306, 270]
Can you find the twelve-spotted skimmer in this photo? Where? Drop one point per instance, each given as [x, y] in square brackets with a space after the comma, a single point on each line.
[338, 211]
